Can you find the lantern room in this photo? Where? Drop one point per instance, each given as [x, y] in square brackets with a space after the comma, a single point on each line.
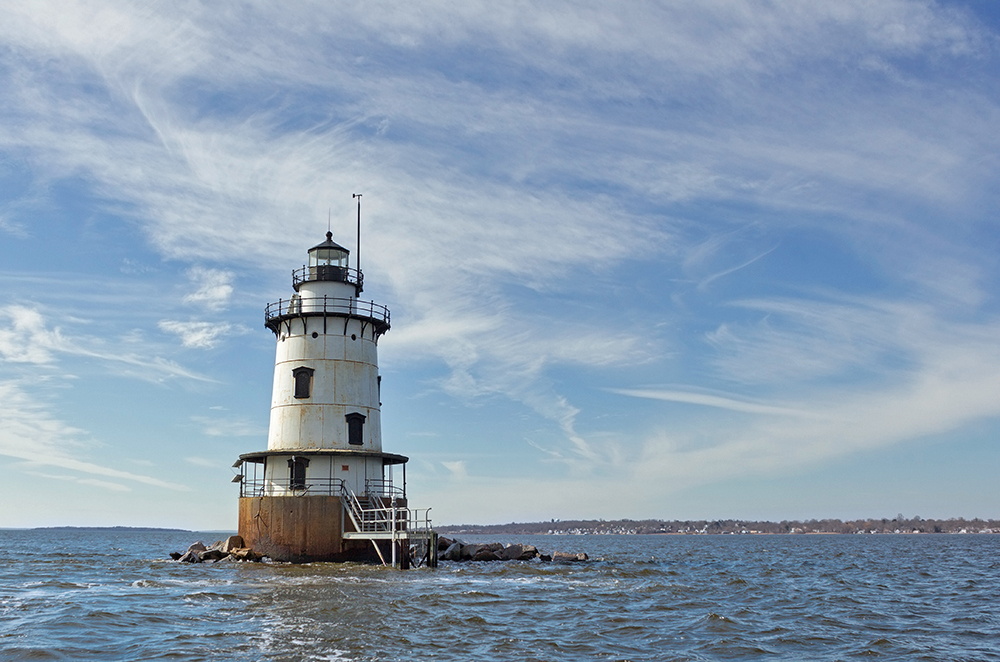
[328, 254]
[329, 262]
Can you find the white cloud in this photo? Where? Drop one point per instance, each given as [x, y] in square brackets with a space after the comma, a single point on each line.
[200, 335]
[29, 432]
[30, 340]
[11, 227]
[956, 384]
[24, 337]
[480, 188]
[951, 378]
[214, 288]
[229, 427]
[103, 484]
[202, 462]
[457, 469]
[709, 400]
[705, 282]
[114, 487]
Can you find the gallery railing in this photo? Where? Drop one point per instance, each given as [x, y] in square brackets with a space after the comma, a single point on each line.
[382, 490]
[258, 487]
[328, 273]
[282, 309]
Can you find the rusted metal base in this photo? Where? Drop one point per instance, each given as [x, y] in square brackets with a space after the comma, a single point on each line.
[302, 530]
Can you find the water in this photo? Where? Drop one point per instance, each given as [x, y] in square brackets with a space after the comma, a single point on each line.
[103, 595]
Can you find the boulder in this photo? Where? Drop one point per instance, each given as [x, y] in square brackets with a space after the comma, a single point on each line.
[564, 557]
[528, 552]
[231, 543]
[469, 551]
[230, 548]
[512, 552]
[190, 556]
[484, 553]
[444, 543]
[517, 552]
[493, 551]
[213, 555]
[245, 554]
[453, 553]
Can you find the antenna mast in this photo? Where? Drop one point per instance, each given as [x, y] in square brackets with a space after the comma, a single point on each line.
[357, 257]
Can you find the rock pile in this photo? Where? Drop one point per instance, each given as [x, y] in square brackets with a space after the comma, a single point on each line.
[448, 550]
[230, 548]
[456, 550]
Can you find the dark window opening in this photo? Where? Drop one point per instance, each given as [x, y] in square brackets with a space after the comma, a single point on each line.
[297, 473]
[303, 382]
[355, 428]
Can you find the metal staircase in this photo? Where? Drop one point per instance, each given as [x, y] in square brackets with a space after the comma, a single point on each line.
[376, 517]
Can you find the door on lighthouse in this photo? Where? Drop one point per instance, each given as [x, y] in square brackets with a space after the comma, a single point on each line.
[297, 473]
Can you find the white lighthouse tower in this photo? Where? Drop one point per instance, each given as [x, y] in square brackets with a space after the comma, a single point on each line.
[324, 490]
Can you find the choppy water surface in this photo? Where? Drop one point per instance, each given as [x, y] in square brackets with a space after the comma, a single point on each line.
[99, 595]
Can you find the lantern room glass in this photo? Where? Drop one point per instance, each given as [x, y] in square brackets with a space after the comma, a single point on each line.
[327, 257]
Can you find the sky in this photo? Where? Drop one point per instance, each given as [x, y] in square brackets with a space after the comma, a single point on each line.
[687, 260]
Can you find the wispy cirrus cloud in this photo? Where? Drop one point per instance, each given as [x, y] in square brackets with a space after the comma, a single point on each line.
[214, 287]
[229, 427]
[201, 335]
[29, 432]
[93, 482]
[709, 400]
[29, 339]
[26, 338]
[516, 159]
[939, 375]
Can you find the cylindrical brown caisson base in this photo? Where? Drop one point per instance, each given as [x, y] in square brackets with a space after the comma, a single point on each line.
[302, 530]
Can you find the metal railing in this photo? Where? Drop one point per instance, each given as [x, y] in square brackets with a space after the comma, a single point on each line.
[376, 491]
[383, 489]
[326, 305]
[258, 487]
[328, 273]
[372, 516]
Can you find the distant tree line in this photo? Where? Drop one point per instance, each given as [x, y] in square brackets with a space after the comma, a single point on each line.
[897, 525]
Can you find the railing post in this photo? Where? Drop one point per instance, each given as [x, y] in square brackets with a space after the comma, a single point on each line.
[393, 529]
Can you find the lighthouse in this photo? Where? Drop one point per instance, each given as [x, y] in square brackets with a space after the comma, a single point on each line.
[324, 490]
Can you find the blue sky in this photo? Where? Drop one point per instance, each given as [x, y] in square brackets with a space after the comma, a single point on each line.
[692, 260]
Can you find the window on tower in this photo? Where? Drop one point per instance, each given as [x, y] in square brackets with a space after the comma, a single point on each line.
[355, 428]
[302, 377]
[297, 473]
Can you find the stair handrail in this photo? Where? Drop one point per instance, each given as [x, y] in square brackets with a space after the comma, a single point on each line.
[353, 507]
[381, 518]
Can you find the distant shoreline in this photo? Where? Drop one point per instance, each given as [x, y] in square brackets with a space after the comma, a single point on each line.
[657, 527]
[105, 528]
[898, 525]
